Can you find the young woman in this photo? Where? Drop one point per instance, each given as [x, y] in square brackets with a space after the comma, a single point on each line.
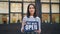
[31, 14]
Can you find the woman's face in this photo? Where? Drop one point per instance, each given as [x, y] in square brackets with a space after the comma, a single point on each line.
[31, 9]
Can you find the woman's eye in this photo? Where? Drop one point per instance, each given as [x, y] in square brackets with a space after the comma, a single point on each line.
[31, 8]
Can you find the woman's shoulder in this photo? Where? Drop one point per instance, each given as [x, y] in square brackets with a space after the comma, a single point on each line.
[38, 17]
[25, 17]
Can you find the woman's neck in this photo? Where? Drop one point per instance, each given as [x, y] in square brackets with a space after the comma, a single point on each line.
[31, 15]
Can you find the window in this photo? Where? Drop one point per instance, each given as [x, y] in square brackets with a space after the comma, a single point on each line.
[15, 18]
[55, 18]
[45, 18]
[15, 13]
[55, 8]
[46, 13]
[4, 7]
[28, 0]
[55, 1]
[15, 0]
[16, 7]
[4, 17]
[45, 0]
[3, 0]
[45, 8]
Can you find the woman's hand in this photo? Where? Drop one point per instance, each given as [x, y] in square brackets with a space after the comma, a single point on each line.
[38, 31]
[24, 23]
[22, 30]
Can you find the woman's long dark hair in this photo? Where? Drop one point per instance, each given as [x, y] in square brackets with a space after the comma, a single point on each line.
[28, 13]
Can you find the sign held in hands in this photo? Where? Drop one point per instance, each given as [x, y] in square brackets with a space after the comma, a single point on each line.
[31, 26]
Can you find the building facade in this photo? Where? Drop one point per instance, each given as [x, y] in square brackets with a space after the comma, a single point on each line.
[14, 10]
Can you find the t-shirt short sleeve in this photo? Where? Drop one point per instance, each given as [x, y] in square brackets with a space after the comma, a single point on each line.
[39, 22]
[24, 19]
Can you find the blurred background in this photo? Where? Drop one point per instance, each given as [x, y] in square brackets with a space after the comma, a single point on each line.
[13, 11]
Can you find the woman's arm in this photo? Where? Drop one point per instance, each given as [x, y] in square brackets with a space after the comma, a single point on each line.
[39, 22]
[23, 23]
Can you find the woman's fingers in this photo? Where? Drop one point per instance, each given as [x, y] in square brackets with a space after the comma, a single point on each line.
[24, 23]
[38, 31]
[22, 30]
